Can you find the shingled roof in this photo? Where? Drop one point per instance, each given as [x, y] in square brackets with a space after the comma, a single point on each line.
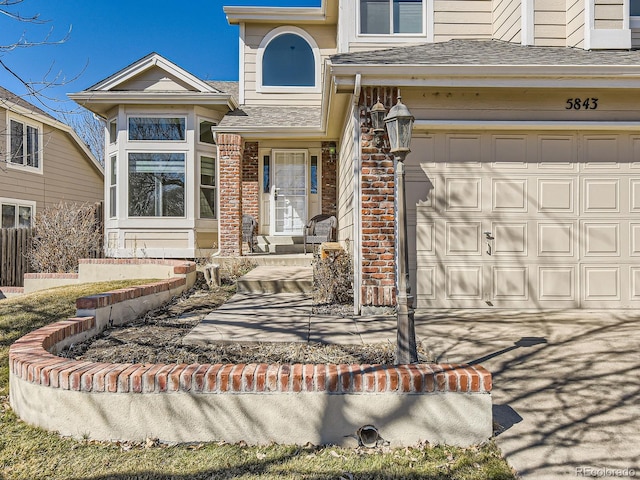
[12, 98]
[487, 52]
[272, 116]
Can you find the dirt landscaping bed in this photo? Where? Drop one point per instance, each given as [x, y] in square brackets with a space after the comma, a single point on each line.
[157, 338]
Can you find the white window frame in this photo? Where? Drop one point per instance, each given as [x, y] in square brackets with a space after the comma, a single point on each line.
[159, 115]
[427, 12]
[186, 182]
[112, 140]
[276, 32]
[113, 185]
[199, 120]
[19, 203]
[26, 123]
[213, 187]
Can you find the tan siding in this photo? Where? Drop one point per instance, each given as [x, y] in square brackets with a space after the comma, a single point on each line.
[462, 19]
[507, 20]
[575, 23]
[155, 79]
[347, 157]
[325, 38]
[520, 105]
[66, 173]
[635, 38]
[609, 14]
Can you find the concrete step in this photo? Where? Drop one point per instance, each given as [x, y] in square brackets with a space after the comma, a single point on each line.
[277, 279]
[269, 259]
[280, 244]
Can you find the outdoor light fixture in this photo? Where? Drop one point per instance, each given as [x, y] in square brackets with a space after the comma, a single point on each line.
[378, 113]
[399, 124]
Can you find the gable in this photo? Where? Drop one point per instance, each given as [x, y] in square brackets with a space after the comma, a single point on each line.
[155, 79]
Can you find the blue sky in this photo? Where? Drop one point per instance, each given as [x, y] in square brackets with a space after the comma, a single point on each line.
[109, 35]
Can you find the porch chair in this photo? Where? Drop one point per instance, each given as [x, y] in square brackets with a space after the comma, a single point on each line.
[249, 225]
[321, 228]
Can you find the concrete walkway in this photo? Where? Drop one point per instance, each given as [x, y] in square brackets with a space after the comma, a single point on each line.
[566, 384]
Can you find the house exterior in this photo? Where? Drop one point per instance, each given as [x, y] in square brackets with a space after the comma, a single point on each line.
[44, 162]
[523, 184]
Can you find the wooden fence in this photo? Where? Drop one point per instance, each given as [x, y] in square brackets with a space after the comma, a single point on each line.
[14, 246]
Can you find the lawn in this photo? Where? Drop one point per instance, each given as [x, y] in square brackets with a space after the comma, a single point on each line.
[31, 453]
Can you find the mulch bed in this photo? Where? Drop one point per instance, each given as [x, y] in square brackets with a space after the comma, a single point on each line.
[157, 338]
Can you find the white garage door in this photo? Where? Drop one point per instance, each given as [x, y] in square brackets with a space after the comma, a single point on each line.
[525, 220]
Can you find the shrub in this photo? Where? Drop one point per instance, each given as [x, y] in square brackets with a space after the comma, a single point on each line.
[63, 234]
[333, 278]
[231, 270]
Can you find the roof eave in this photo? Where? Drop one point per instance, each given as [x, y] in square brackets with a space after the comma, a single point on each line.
[89, 98]
[295, 15]
[576, 76]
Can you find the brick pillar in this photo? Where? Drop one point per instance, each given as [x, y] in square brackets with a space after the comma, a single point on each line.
[230, 221]
[329, 182]
[250, 184]
[378, 283]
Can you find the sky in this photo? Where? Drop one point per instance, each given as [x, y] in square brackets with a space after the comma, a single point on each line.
[102, 37]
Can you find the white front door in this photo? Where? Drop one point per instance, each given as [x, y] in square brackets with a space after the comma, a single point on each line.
[289, 192]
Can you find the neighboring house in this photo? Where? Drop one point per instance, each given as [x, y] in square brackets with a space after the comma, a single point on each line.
[44, 162]
[524, 176]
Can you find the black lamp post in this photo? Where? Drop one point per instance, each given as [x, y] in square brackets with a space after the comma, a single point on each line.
[399, 124]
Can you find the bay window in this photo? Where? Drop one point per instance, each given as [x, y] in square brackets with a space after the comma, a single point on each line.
[156, 184]
[385, 17]
[157, 128]
[207, 187]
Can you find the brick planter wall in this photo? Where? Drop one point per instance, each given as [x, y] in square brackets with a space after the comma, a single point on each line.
[233, 402]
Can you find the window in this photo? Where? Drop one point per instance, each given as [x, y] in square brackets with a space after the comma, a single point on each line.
[156, 185]
[266, 182]
[15, 215]
[634, 8]
[384, 17]
[157, 128]
[113, 199]
[206, 134]
[288, 60]
[24, 144]
[113, 131]
[314, 174]
[207, 187]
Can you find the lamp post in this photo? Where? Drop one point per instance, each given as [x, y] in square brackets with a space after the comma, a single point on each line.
[399, 124]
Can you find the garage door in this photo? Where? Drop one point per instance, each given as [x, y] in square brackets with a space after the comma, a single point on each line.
[544, 220]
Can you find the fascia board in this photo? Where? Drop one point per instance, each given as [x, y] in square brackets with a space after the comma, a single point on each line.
[45, 120]
[149, 62]
[489, 125]
[156, 98]
[294, 15]
[588, 76]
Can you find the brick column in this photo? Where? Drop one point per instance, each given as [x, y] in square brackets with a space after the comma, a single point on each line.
[378, 287]
[250, 184]
[329, 182]
[230, 210]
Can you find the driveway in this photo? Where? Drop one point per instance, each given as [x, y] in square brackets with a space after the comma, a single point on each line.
[566, 385]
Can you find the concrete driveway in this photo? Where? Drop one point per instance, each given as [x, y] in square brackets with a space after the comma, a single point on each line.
[566, 388]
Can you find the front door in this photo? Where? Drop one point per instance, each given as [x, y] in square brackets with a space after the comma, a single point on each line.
[289, 192]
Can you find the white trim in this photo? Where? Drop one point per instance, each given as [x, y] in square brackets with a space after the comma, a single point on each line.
[487, 125]
[276, 32]
[241, 60]
[198, 214]
[527, 22]
[357, 200]
[150, 61]
[19, 203]
[601, 38]
[26, 122]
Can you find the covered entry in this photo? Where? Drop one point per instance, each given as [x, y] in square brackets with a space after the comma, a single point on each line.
[526, 220]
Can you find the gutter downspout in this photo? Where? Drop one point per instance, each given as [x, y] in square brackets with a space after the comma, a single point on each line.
[357, 197]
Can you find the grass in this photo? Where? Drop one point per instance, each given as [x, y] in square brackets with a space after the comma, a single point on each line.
[31, 453]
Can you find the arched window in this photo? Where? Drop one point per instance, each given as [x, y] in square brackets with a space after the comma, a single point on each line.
[288, 57]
